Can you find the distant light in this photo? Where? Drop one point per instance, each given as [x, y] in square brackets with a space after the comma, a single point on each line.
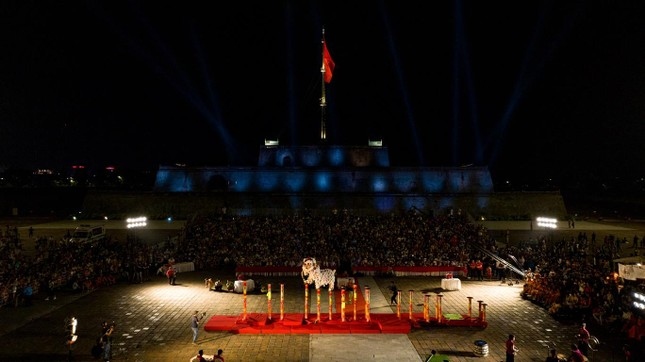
[547, 222]
[639, 302]
[136, 222]
[169, 219]
[105, 217]
[271, 142]
[375, 143]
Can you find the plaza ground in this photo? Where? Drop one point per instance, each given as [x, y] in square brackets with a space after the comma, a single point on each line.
[153, 317]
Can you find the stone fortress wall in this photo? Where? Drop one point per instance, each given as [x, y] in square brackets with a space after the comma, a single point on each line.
[494, 206]
[294, 179]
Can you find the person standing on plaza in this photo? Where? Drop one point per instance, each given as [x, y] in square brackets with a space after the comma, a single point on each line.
[28, 293]
[583, 339]
[472, 269]
[71, 324]
[511, 348]
[106, 339]
[194, 324]
[500, 270]
[479, 270]
[172, 275]
[50, 287]
[15, 294]
[395, 293]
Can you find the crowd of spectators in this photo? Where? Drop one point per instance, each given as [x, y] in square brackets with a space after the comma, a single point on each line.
[60, 265]
[576, 278]
[338, 241]
[571, 278]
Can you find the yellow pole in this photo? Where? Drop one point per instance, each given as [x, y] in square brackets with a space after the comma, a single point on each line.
[269, 299]
[367, 304]
[342, 305]
[426, 307]
[410, 306]
[355, 295]
[306, 300]
[398, 304]
[317, 304]
[331, 297]
[439, 311]
[244, 300]
[281, 302]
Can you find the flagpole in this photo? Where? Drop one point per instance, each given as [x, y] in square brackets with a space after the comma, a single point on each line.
[323, 98]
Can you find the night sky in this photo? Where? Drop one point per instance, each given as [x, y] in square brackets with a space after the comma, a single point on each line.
[531, 89]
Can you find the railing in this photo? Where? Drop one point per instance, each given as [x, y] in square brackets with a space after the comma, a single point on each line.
[505, 262]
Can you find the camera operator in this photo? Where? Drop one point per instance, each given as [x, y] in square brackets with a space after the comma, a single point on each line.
[194, 324]
[70, 330]
[106, 339]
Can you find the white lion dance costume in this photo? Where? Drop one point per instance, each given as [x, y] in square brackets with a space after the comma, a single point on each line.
[311, 273]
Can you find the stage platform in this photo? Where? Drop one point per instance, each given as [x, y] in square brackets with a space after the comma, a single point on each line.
[295, 323]
[254, 322]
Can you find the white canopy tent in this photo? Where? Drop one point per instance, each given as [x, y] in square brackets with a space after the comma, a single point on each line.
[631, 267]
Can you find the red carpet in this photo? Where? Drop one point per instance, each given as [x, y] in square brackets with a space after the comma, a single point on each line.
[294, 323]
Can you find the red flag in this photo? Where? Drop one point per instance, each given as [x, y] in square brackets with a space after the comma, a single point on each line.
[328, 64]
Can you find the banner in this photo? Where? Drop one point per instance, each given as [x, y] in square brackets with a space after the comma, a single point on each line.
[631, 271]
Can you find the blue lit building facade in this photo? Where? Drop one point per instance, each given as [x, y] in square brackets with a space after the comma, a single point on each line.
[332, 177]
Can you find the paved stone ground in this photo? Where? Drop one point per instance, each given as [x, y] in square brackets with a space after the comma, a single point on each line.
[152, 321]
